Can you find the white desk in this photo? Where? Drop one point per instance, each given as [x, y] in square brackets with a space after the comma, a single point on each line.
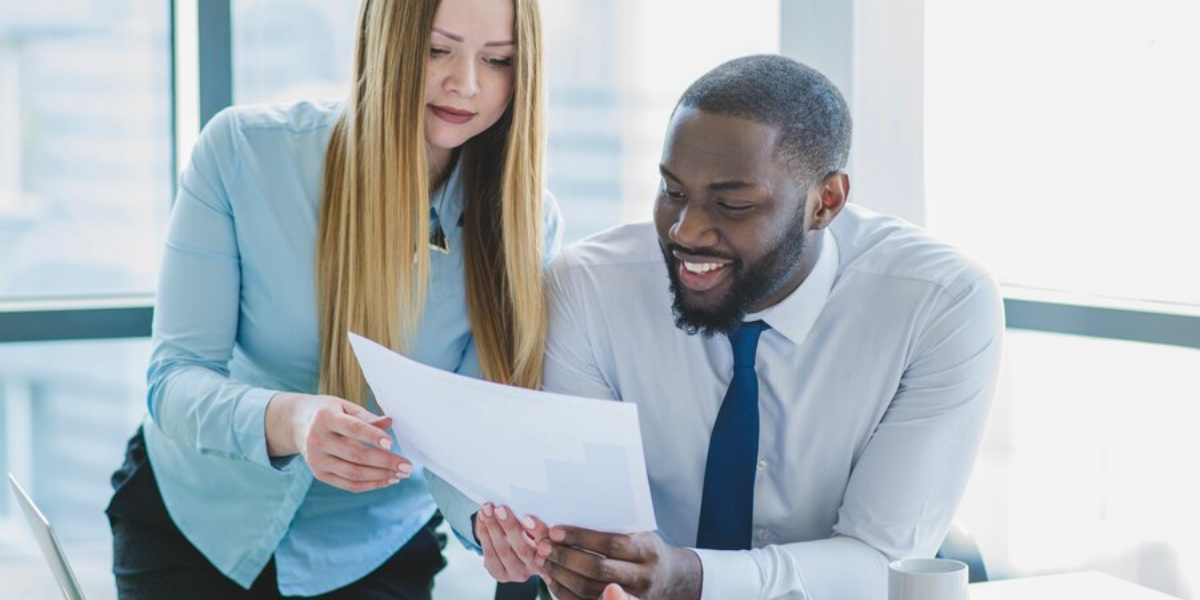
[1090, 585]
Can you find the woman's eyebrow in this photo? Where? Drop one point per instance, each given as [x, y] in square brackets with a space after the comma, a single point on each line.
[459, 38]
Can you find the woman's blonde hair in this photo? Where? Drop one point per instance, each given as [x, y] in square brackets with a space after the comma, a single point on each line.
[372, 262]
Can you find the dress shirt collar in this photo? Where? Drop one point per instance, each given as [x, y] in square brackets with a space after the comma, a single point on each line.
[795, 315]
[447, 201]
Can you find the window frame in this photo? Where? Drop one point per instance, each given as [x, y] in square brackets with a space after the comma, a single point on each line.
[819, 32]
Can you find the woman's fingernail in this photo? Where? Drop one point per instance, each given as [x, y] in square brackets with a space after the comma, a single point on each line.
[487, 509]
[393, 481]
[528, 522]
[405, 469]
[385, 443]
[503, 514]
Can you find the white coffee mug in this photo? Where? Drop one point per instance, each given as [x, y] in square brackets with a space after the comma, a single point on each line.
[927, 579]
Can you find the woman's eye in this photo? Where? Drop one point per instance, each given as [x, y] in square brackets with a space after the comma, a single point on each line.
[500, 62]
[435, 51]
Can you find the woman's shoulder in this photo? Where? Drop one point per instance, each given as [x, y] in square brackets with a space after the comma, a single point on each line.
[282, 144]
[296, 117]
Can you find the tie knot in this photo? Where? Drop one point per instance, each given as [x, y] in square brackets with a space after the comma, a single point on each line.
[745, 342]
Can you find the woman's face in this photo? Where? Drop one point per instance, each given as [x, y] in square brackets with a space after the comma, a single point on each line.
[470, 74]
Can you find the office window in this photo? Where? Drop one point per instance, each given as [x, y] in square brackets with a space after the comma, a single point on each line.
[1062, 139]
[291, 50]
[85, 146]
[614, 69]
[66, 411]
[1088, 462]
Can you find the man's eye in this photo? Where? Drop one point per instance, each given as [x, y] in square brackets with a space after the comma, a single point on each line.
[736, 207]
[674, 194]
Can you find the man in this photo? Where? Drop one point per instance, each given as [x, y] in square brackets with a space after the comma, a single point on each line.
[812, 378]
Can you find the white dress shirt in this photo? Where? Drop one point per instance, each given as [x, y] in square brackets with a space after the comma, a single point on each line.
[875, 382]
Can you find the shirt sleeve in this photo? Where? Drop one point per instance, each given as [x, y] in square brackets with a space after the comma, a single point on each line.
[190, 394]
[570, 365]
[457, 508]
[905, 487]
[552, 229]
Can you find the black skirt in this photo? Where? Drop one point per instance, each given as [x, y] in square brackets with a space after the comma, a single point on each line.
[152, 559]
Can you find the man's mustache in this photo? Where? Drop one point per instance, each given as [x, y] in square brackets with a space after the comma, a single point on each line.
[673, 247]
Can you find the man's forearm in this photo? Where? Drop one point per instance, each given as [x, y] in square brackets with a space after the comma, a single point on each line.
[839, 568]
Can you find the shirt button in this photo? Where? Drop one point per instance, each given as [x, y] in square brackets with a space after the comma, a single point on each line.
[762, 465]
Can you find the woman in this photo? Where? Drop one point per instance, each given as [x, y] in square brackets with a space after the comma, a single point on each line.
[411, 214]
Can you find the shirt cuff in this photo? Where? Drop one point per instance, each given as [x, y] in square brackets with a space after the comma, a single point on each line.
[728, 574]
[458, 509]
[249, 425]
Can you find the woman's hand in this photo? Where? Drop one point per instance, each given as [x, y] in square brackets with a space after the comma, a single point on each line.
[344, 444]
[509, 546]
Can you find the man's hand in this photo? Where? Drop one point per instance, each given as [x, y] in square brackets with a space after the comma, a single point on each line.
[614, 592]
[509, 546]
[344, 444]
[579, 563]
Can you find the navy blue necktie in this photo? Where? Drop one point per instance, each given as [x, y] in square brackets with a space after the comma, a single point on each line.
[727, 507]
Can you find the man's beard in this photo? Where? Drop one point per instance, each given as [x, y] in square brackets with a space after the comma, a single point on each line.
[748, 285]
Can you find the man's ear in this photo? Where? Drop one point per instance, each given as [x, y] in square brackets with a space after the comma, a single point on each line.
[831, 195]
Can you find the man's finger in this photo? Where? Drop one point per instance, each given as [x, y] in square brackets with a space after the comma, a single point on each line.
[614, 592]
[559, 591]
[591, 565]
[612, 545]
[588, 564]
[578, 585]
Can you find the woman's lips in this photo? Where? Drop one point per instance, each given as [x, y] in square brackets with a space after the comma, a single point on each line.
[451, 115]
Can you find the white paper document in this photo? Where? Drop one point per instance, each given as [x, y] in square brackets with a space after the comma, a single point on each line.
[566, 460]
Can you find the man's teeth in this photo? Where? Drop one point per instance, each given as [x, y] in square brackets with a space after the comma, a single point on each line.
[701, 267]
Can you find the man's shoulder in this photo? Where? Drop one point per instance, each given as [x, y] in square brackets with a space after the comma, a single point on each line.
[625, 247]
[886, 247]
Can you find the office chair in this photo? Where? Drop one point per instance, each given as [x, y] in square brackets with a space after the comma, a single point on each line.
[960, 545]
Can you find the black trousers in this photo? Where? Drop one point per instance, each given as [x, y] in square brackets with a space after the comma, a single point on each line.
[153, 560]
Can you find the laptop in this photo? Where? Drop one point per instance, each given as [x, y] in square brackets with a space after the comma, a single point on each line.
[51, 549]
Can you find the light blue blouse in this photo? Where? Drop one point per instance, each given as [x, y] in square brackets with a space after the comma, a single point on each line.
[236, 321]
